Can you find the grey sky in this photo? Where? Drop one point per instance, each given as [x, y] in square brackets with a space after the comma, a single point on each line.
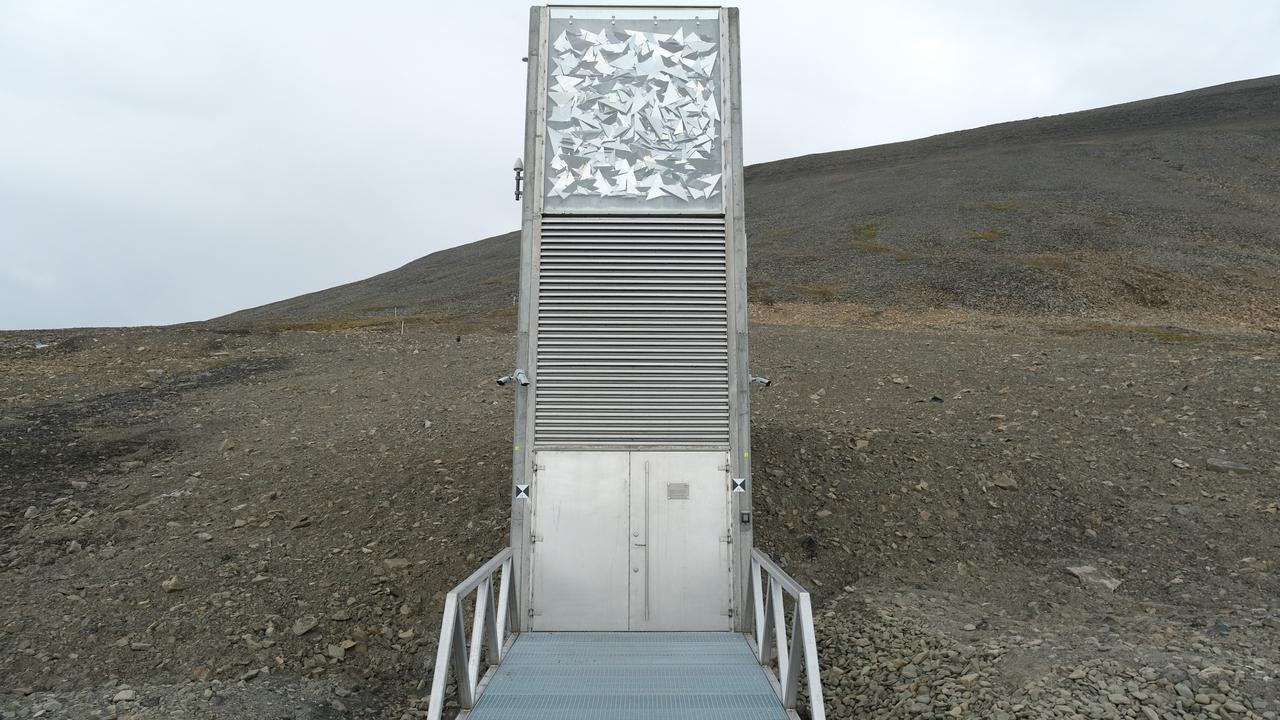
[164, 161]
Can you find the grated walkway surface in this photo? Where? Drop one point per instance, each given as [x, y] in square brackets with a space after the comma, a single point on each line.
[629, 676]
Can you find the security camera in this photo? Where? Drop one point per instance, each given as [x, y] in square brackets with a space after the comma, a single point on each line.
[519, 376]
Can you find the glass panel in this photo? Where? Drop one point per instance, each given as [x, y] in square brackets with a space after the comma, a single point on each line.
[633, 111]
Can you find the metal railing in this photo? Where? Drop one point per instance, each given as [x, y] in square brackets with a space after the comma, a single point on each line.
[493, 629]
[769, 625]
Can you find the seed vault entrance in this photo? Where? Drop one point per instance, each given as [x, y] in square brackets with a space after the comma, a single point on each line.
[631, 487]
[631, 505]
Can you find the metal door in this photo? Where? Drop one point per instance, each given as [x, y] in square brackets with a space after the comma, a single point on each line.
[580, 521]
[679, 541]
[631, 541]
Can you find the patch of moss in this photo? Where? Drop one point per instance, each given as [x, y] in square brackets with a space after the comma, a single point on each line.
[867, 231]
[333, 324]
[1163, 333]
[1046, 262]
[879, 248]
[756, 288]
[819, 293]
[499, 318]
[777, 233]
[992, 234]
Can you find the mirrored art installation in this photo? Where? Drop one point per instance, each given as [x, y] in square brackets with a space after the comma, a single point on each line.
[633, 115]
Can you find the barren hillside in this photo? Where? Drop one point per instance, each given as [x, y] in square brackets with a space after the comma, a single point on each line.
[197, 524]
[1065, 510]
[1167, 207]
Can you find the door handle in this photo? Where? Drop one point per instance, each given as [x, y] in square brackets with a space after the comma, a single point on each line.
[640, 544]
[647, 495]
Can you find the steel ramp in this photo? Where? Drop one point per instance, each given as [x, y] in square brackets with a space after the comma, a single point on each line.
[629, 676]
[502, 673]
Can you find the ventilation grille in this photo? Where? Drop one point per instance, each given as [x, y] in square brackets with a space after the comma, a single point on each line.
[632, 332]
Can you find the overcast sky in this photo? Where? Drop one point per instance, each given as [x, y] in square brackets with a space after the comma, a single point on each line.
[164, 161]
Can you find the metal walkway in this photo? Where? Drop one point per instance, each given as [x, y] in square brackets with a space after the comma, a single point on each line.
[502, 673]
[629, 676]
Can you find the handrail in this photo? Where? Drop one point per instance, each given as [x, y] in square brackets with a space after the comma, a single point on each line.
[770, 634]
[493, 628]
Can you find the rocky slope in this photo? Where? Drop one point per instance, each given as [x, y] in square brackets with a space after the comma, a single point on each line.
[1053, 517]
[197, 524]
[1168, 207]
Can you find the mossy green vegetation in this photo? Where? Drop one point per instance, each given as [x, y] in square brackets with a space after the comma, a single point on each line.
[456, 322]
[1046, 261]
[864, 239]
[991, 234]
[818, 293]
[1163, 333]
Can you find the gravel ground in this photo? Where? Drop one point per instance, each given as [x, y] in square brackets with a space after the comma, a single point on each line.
[888, 659]
[1026, 521]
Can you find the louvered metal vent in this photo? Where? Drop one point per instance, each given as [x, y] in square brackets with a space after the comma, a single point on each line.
[632, 332]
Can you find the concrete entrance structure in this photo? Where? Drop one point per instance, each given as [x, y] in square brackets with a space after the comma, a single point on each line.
[631, 487]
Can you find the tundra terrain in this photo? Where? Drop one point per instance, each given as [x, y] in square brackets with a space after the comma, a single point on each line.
[1022, 443]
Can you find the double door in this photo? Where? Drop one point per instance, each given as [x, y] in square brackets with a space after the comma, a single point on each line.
[631, 541]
